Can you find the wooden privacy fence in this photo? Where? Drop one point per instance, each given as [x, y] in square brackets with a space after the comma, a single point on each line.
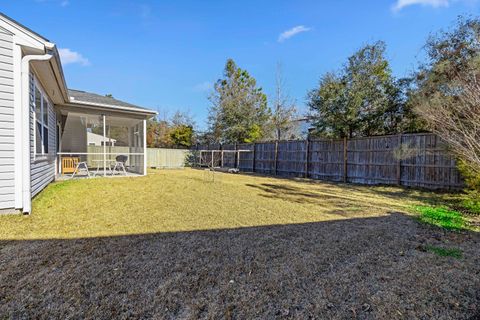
[413, 160]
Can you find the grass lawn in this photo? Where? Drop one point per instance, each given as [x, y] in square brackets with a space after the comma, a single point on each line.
[172, 245]
[182, 200]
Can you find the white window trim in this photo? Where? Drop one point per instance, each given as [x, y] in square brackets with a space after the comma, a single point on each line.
[36, 85]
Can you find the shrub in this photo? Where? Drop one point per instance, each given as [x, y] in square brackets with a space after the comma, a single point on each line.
[472, 180]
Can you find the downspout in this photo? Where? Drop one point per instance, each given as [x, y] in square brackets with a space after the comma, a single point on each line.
[25, 129]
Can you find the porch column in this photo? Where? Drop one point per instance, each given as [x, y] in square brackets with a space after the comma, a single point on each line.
[144, 147]
[104, 146]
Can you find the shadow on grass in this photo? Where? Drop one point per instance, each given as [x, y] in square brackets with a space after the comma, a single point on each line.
[390, 191]
[363, 268]
[341, 201]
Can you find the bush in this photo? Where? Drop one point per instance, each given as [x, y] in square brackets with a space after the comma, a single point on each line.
[472, 202]
[472, 180]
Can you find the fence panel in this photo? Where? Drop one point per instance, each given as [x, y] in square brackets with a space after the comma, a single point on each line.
[291, 158]
[430, 166]
[413, 160]
[167, 158]
[245, 162]
[229, 158]
[95, 155]
[371, 160]
[265, 157]
[326, 160]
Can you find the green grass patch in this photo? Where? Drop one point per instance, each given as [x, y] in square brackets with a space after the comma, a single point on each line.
[442, 217]
[445, 252]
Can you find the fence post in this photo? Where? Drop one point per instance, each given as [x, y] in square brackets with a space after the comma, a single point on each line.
[307, 149]
[236, 157]
[275, 157]
[254, 155]
[213, 165]
[399, 162]
[345, 159]
[221, 155]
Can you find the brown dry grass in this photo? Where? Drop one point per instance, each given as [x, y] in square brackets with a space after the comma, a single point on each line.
[181, 200]
[171, 245]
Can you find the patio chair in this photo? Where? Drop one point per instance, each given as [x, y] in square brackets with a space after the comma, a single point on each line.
[120, 164]
[81, 166]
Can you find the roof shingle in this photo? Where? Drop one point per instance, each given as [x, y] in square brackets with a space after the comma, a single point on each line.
[77, 96]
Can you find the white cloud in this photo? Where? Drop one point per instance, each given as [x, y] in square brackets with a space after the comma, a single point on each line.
[292, 32]
[203, 86]
[68, 57]
[400, 4]
[62, 3]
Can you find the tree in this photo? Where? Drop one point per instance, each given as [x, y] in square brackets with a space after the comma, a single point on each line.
[284, 112]
[158, 134]
[362, 99]
[448, 96]
[328, 104]
[239, 111]
[177, 131]
[182, 136]
[399, 115]
[181, 131]
[180, 118]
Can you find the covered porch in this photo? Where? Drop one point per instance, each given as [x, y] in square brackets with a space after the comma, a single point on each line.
[95, 142]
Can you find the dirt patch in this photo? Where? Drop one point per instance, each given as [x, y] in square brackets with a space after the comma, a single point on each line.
[370, 268]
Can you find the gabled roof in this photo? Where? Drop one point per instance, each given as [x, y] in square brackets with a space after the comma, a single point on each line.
[24, 27]
[96, 100]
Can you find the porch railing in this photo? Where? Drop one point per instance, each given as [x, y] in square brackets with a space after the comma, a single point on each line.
[96, 159]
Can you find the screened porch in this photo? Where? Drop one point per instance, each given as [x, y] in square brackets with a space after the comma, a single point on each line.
[93, 143]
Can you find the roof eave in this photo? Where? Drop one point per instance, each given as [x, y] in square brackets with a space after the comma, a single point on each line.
[58, 70]
[101, 106]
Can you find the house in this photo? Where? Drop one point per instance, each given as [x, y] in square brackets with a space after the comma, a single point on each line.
[44, 126]
[94, 139]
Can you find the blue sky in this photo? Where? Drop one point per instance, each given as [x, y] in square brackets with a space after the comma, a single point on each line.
[166, 54]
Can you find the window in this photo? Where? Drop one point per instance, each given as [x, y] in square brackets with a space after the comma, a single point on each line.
[41, 122]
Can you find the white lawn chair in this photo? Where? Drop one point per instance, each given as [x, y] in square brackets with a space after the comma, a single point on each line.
[81, 166]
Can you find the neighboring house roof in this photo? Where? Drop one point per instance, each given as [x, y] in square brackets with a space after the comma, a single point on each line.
[93, 99]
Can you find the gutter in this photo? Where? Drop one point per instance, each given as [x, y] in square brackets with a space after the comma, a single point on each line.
[25, 129]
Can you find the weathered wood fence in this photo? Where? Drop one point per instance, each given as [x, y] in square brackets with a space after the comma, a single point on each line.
[424, 161]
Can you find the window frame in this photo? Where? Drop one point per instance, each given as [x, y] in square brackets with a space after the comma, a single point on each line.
[43, 122]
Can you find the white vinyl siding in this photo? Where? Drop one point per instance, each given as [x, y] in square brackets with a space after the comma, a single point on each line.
[7, 161]
[43, 165]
